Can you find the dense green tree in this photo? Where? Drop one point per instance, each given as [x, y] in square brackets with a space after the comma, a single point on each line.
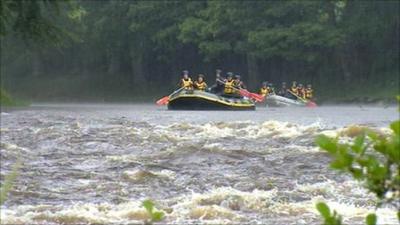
[105, 49]
[33, 20]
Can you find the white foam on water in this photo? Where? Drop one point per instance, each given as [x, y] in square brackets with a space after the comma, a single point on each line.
[103, 213]
[340, 198]
[220, 204]
[4, 129]
[140, 174]
[10, 147]
[238, 129]
[123, 158]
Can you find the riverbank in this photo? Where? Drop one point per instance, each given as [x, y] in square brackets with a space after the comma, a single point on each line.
[76, 90]
[6, 100]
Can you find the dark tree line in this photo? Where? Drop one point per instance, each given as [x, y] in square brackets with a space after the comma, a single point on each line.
[112, 49]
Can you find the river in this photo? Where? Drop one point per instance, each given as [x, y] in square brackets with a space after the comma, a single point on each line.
[93, 163]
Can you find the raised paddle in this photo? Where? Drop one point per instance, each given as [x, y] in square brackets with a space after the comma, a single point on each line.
[257, 97]
[309, 103]
[246, 93]
[164, 100]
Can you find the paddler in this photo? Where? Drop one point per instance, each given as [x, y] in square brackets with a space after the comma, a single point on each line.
[218, 87]
[200, 84]
[238, 82]
[186, 82]
[218, 74]
[271, 89]
[293, 88]
[264, 89]
[301, 91]
[229, 84]
[283, 90]
[309, 92]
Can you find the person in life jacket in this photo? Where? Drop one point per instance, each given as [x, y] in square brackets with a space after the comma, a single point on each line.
[229, 84]
[293, 88]
[186, 82]
[309, 92]
[271, 89]
[200, 84]
[264, 89]
[238, 82]
[300, 91]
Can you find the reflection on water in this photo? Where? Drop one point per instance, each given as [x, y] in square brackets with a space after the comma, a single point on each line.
[96, 163]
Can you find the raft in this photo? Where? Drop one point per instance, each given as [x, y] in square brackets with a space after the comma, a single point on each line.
[280, 101]
[201, 100]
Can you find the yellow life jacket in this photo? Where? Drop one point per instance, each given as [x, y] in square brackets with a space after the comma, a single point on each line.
[187, 84]
[301, 92]
[264, 91]
[200, 86]
[229, 87]
[309, 93]
[236, 83]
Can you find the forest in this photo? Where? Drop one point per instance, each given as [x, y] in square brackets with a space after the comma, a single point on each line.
[114, 50]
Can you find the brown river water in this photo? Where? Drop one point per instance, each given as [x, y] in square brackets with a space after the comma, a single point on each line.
[92, 163]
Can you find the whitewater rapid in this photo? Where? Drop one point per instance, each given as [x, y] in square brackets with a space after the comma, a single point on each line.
[97, 163]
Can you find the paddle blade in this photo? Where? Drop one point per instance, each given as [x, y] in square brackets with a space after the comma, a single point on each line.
[311, 104]
[245, 93]
[257, 97]
[163, 101]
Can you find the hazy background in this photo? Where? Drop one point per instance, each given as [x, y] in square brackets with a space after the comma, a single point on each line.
[136, 50]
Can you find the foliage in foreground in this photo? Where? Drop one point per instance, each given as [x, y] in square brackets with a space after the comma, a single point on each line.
[8, 182]
[329, 218]
[7, 100]
[155, 215]
[373, 159]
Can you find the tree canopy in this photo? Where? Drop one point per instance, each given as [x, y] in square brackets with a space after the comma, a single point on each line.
[131, 47]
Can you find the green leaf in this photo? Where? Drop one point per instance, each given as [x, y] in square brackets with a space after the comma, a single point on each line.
[357, 173]
[343, 160]
[157, 216]
[363, 162]
[395, 126]
[374, 136]
[337, 164]
[371, 219]
[323, 209]
[326, 143]
[357, 147]
[336, 219]
[347, 159]
[9, 182]
[148, 205]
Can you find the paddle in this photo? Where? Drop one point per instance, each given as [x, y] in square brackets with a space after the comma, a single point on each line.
[257, 97]
[246, 93]
[164, 100]
[309, 103]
